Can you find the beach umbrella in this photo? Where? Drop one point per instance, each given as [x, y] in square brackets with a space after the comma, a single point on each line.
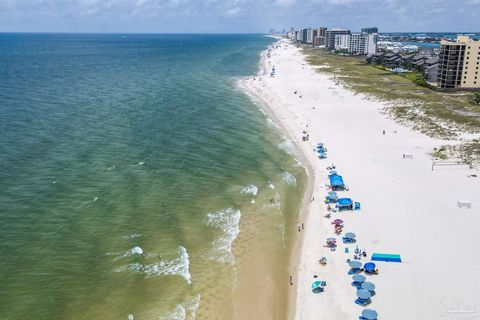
[368, 286]
[337, 221]
[332, 193]
[355, 264]
[359, 278]
[316, 284]
[363, 294]
[331, 239]
[350, 235]
[369, 266]
[369, 314]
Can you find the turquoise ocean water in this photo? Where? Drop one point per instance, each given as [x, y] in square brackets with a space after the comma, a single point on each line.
[137, 181]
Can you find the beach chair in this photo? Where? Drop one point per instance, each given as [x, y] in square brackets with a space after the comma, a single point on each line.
[357, 206]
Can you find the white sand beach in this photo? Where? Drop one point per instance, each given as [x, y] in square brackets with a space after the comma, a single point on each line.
[406, 208]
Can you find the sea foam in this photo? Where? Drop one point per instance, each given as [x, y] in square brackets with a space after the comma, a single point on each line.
[178, 266]
[185, 311]
[250, 189]
[288, 178]
[227, 221]
[288, 146]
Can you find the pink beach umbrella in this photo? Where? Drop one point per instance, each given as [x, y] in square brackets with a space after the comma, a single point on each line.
[337, 221]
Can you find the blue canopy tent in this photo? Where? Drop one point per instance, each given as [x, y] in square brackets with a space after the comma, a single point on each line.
[336, 182]
[344, 204]
[369, 314]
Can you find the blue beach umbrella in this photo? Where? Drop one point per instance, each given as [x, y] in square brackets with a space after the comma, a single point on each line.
[363, 294]
[332, 193]
[369, 314]
[355, 264]
[316, 284]
[350, 235]
[369, 266]
[368, 286]
[359, 278]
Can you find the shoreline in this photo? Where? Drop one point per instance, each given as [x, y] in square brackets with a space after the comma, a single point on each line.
[295, 253]
[321, 111]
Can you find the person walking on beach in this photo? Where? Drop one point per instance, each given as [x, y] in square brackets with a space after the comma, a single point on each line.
[383, 132]
[298, 227]
[291, 281]
[302, 226]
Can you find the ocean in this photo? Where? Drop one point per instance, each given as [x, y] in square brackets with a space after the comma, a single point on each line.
[138, 182]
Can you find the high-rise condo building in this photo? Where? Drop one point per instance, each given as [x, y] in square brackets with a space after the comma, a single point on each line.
[362, 43]
[459, 63]
[319, 38]
[342, 41]
[330, 37]
[310, 36]
[370, 30]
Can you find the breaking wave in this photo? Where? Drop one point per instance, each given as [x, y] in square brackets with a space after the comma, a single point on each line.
[177, 266]
[288, 178]
[227, 221]
[250, 189]
[185, 311]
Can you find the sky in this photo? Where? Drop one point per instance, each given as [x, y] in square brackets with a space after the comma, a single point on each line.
[236, 16]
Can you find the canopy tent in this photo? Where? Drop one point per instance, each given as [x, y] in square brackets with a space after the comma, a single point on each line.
[344, 204]
[369, 314]
[336, 181]
[345, 201]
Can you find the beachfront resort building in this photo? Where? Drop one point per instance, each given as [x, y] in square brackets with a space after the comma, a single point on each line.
[362, 43]
[459, 63]
[310, 36]
[319, 37]
[342, 42]
[330, 37]
[370, 30]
